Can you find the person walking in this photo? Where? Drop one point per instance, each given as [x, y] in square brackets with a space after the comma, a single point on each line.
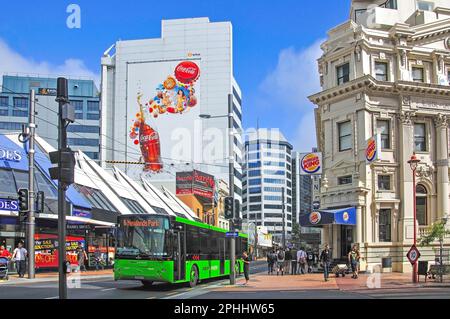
[325, 258]
[301, 259]
[280, 261]
[81, 257]
[20, 257]
[353, 258]
[246, 260]
[270, 261]
[293, 261]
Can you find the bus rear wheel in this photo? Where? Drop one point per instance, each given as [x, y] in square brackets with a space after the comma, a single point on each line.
[193, 280]
[147, 283]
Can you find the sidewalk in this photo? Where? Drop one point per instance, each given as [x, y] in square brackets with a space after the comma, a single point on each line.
[53, 276]
[264, 282]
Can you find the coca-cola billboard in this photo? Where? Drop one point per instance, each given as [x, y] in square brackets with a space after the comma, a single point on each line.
[163, 100]
[195, 183]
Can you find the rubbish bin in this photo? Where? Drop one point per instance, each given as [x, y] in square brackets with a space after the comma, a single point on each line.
[422, 268]
[386, 264]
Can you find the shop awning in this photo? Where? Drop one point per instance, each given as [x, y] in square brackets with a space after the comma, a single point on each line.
[343, 216]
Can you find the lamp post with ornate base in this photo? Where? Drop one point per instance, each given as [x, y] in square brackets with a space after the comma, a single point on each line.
[413, 163]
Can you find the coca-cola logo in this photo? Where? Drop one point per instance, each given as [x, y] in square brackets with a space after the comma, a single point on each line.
[150, 137]
[187, 72]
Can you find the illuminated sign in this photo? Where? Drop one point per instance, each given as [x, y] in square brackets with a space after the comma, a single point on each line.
[141, 223]
[315, 218]
[311, 164]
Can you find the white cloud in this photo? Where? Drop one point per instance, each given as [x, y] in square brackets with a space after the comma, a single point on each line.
[11, 62]
[288, 87]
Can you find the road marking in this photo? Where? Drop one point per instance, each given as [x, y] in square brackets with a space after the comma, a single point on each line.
[151, 298]
[52, 297]
[107, 289]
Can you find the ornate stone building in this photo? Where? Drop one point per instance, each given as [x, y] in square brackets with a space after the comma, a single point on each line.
[385, 71]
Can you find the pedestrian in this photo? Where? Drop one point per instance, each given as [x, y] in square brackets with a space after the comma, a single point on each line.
[246, 267]
[99, 261]
[301, 259]
[270, 262]
[20, 257]
[325, 258]
[310, 261]
[287, 260]
[293, 261]
[81, 257]
[280, 261]
[4, 252]
[353, 258]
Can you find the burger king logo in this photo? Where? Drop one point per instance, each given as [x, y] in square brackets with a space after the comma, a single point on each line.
[345, 217]
[371, 150]
[310, 163]
[315, 218]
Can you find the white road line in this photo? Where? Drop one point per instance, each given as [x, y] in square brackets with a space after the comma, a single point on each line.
[52, 297]
[108, 289]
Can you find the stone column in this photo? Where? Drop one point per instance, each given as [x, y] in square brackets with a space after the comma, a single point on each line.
[440, 122]
[406, 142]
[359, 224]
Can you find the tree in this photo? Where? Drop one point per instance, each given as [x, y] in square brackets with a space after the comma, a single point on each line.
[436, 232]
[296, 234]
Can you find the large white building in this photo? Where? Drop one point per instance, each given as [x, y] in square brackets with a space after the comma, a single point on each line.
[147, 69]
[268, 173]
[385, 70]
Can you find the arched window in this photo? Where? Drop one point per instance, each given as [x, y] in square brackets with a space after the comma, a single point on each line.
[421, 205]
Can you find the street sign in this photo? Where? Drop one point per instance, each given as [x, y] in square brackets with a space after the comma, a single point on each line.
[413, 255]
[232, 234]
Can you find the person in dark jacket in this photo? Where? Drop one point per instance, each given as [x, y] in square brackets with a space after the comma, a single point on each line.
[293, 261]
[270, 261]
[246, 259]
[325, 258]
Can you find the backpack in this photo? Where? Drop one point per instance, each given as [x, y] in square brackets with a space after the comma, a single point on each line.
[280, 255]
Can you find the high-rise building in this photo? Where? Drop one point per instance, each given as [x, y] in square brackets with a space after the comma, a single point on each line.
[83, 94]
[385, 72]
[268, 174]
[165, 102]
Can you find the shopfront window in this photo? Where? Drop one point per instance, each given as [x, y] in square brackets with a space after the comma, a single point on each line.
[7, 185]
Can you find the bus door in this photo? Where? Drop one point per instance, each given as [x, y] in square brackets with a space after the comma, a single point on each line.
[222, 255]
[180, 255]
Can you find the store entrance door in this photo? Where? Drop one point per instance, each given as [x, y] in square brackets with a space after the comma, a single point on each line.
[346, 239]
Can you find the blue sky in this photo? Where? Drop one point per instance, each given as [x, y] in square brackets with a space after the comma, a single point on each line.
[275, 46]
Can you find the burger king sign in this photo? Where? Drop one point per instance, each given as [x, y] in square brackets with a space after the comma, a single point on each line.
[373, 148]
[311, 164]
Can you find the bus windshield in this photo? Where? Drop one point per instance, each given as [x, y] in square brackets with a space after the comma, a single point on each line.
[141, 237]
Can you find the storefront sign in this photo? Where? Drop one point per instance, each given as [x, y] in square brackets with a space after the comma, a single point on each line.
[373, 148]
[84, 214]
[315, 218]
[9, 205]
[46, 250]
[10, 156]
[46, 91]
[311, 164]
[80, 227]
[195, 183]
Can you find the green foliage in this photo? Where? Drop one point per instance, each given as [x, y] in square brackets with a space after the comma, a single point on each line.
[296, 234]
[436, 232]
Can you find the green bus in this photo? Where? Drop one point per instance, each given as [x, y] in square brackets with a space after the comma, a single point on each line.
[172, 249]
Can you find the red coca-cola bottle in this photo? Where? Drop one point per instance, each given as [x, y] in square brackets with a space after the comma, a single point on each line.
[150, 146]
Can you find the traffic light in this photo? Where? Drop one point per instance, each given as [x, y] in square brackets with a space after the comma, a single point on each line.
[237, 209]
[66, 159]
[24, 200]
[40, 202]
[229, 207]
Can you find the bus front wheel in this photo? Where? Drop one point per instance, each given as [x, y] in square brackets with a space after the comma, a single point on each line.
[193, 280]
[147, 283]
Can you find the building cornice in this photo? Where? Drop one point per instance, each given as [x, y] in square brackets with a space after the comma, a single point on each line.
[368, 82]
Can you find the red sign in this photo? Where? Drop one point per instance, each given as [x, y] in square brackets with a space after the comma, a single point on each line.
[46, 250]
[413, 255]
[187, 72]
[195, 182]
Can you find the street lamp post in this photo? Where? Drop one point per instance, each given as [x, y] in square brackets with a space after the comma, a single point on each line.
[413, 163]
[231, 180]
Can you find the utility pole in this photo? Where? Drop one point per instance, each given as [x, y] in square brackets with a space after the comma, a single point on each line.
[231, 187]
[31, 218]
[284, 223]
